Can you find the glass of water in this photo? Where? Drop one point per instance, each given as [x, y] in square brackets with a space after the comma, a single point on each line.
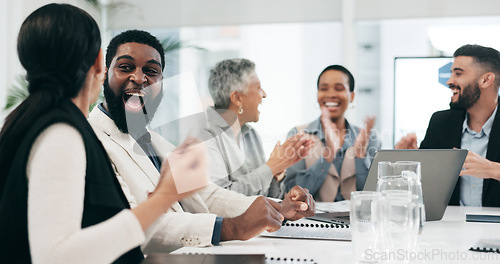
[364, 220]
[399, 223]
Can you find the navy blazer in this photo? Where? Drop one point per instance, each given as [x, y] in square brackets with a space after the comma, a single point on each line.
[445, 132]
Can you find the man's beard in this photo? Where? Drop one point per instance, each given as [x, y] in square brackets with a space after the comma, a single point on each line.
[130, 123]
[467, 98]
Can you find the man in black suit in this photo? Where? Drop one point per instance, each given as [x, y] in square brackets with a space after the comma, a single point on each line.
[472, 123]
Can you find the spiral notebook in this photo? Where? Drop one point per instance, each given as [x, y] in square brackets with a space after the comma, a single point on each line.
[197, 258]
[306, 230]
[487, 245]
[281, 260]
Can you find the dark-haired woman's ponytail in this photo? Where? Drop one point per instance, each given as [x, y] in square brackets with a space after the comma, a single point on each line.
[46, 84]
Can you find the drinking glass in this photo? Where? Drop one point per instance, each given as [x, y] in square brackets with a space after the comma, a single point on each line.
[364, 222]
[398, 225]
[400, 220]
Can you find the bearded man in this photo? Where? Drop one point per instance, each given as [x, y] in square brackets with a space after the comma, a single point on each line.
[472, 123]
[133, 90]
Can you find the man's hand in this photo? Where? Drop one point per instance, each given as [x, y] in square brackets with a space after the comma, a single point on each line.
[480, 167]
[361, 143]
[298, 203]
[262, 215]
[407, 142]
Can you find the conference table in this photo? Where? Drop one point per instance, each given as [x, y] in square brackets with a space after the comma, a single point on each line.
[444, 241]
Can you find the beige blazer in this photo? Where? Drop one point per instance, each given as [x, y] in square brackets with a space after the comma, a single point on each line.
[188, 225]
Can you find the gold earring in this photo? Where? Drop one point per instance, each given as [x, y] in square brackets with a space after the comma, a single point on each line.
[240, 110]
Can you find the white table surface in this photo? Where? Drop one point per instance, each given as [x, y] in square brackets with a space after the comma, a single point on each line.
[444, 241]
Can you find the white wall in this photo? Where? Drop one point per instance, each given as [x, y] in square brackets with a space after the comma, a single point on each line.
[397, 39]
[13, 18]
[3, 47]
[394, 9]
[175, 13]
[288, 63]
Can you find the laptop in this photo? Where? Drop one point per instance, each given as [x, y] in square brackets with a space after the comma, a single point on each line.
[440, 171]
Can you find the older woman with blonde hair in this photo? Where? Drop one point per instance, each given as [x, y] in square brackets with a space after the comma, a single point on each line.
[236, 154]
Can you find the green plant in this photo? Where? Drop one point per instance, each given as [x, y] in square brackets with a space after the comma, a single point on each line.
[171, 45]
[17, 92]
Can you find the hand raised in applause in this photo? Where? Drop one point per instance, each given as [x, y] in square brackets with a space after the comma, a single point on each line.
[285, 155]
[407, 142]
[332, 135]
[361, 143]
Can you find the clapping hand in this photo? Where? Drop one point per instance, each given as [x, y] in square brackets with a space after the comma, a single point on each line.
[363, 138]
[292, 151]
[332, 135]
[407, 142]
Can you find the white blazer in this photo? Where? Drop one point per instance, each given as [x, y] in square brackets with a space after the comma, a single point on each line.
[189, 225]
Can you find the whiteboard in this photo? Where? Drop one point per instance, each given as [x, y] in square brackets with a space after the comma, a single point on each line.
[419, 90]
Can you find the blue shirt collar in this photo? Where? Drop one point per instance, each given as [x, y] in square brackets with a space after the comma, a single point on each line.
[486, 129]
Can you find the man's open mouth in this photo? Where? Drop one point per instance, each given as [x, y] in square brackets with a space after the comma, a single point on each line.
[455, 93]
[134, 100]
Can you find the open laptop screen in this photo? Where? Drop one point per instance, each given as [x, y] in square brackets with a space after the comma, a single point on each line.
[440, 171]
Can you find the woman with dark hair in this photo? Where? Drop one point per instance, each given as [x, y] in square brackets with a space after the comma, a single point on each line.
[339, 160]
[60, 201]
